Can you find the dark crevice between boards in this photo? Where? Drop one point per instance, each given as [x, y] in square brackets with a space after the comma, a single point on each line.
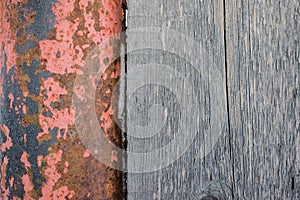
[228, 99]
[123, 73]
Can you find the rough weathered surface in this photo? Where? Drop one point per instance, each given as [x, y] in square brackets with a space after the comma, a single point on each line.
[43, 46]
[263, 65]
[189, 177]
[257, 155]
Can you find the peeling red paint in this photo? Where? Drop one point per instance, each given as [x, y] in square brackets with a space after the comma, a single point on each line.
[63, 9]
[66, 167]
[53, 176]
[61, 118]
[4, 190]
[6, 145]
[45, 101]
[86, 154]
[106, 119]
[27, 186]
[25, 160]
[7, 39]
[39, 160]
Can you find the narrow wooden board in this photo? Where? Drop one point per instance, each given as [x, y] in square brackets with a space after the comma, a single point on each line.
[191, 176]
[262, 39]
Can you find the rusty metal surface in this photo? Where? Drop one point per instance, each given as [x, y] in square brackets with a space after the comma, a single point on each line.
[43, 45]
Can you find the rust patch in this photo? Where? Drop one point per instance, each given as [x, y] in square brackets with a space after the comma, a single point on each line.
[43, 46]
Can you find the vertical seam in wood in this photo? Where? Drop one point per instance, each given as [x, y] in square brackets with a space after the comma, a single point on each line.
[227, 98]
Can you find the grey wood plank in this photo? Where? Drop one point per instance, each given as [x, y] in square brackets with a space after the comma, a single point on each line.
[258, 156]
[262, 40]
[191, 176]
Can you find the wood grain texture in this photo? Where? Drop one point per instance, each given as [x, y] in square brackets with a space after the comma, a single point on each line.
[262, 40]
[257, 155]
[189, 177]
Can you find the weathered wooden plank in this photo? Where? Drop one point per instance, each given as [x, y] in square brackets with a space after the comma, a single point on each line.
[262, 40]
[200, 60]
[258, 157]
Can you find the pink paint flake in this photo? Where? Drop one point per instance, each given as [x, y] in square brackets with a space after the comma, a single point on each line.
[24, 159]
[86, 154]
[8, 143]
[106, 119]
[60, 118]
[53, 176]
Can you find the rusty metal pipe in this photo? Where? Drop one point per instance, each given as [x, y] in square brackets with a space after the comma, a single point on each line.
[43, 45]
